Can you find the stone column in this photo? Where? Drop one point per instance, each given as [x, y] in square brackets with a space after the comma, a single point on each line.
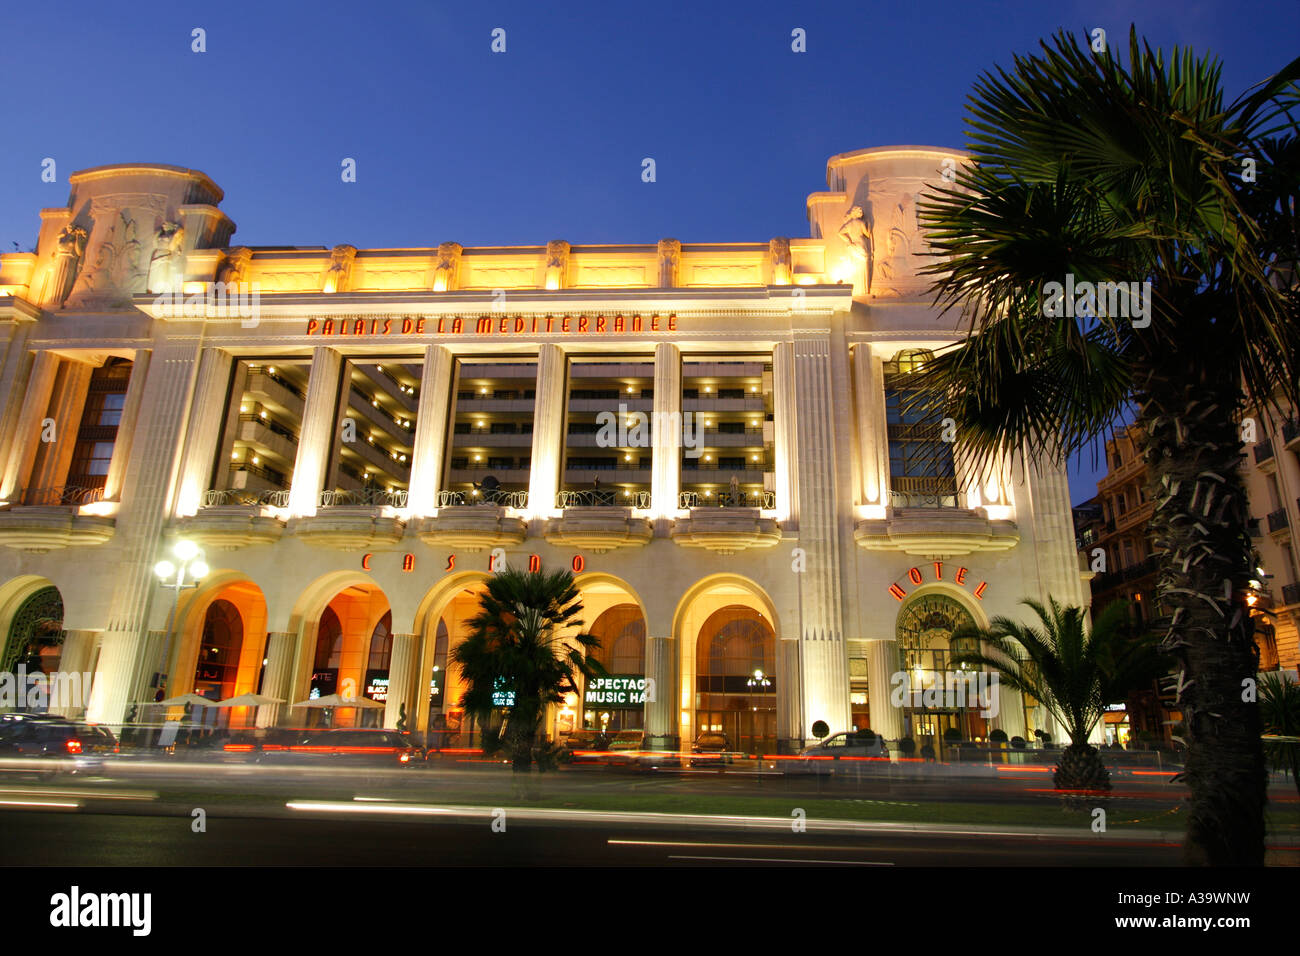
[1011, 712]
[75, 658]
[50, 469]
[873, 438]
[402, 667]
[825, 656]
[126, 427]
[548, 429]
[882, 664]
[204, 430]
[147, 497]
[27, 433]
[661, 709]
[789, 696]
[783, 398]
[666, 429]
[316, 438]
[275, 679]
[430, 431]
[14, 376]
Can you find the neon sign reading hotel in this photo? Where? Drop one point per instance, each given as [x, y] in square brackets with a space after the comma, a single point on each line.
[488, 325]
[915, 576]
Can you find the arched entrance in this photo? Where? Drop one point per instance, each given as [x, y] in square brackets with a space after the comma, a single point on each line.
[350, 655]
[735, 682]
[441, 623]
[219, 646]
[621, 632]
[34, 636]
[939, 707]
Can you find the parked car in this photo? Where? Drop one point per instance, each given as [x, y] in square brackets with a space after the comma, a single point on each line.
[83, 746]
[711, 750]
[585, 746]
[857, 747]
[345, 748]
[628, 751]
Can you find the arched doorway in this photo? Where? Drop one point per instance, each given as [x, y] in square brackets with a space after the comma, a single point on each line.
[621, 632]
[939, 708]
[217, 648]
[350, 657]
[216, 671]
[35, 635]
[735, 682]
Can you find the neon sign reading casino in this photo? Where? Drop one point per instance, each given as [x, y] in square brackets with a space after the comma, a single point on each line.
[494, 325]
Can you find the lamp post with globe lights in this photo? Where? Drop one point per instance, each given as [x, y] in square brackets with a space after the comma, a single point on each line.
[188, 570]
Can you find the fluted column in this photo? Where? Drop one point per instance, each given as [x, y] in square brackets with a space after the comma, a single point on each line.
[15, 373]
[402, 666]
[789, 697]
[1011, 712]
[666, 476]
[661, 711]
[75, 657]
[27, 434]
[548, 429]
[882, 665]
[430, 431]
[783, 398]
[68, 401]
[873, 441]
[275, 679]
[316, 438]
[825, 656]
[127, 425]
[147, 498]
[204, 429]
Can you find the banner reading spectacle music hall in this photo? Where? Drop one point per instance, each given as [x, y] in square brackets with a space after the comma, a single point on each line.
[493, 325]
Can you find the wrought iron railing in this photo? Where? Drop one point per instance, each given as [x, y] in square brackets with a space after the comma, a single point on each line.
[61, 496]
[365, 497]
[1278, 520]
[1263, 450]
[505, 499]
[216, 498]
[741, 499]
[602, 498]
[917, 499]
[282, 430]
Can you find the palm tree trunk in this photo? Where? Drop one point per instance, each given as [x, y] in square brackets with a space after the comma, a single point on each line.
[1200, 530]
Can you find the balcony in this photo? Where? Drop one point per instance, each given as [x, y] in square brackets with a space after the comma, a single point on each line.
[1291, 434]
[1291, 594]
[53, 518]
[935, 531]
[237, 518]
[765, 500]
[1263, 451]
[1278, 521]
[274, 391]
[726, 530]
[467, 523]
[353, 520]
[599, 521]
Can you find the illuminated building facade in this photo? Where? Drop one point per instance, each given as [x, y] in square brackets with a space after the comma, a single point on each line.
[714, 436]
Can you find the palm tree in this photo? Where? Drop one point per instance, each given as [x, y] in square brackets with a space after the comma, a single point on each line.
[1073, 672]
[518, 657]
[1279, 704]
[1084, 169]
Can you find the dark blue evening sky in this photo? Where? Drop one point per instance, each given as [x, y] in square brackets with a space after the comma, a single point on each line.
[545, 141]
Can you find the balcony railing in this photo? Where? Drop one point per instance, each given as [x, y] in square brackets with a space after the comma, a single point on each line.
[282, 430]
[602, 498]
[1291, 593]
[1263, 451]
[506, 499]
[758, 499]
[1290, 430]
[1277, 521]
[224, 497]
[917, 499]
[366, 497]
[63, 496]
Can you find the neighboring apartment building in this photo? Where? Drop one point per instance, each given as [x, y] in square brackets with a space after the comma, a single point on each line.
[1272, 473]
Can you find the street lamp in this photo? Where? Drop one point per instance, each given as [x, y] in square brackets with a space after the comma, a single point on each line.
[173, 577]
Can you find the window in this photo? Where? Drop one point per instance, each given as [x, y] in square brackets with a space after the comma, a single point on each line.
[921, 469]
[110, 412]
